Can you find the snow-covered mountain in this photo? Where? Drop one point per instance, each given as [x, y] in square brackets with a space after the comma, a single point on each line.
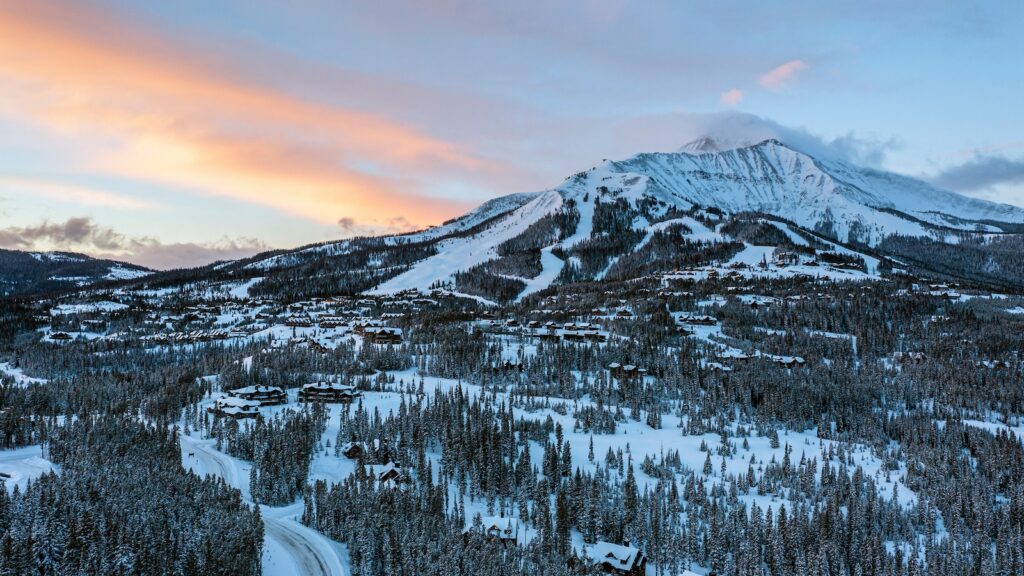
[25, 272]
[835, 200]
[714, 207]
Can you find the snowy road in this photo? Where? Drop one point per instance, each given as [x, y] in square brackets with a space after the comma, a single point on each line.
[289, 547]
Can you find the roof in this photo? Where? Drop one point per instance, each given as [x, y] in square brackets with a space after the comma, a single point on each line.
[616, 555]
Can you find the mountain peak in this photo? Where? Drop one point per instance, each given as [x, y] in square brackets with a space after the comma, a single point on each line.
[712, 145]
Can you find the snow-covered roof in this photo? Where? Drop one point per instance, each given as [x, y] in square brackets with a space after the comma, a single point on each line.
[616, 555]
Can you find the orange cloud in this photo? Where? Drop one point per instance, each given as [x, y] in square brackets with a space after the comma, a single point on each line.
[731, 97]
[160, 113]
[778, 77]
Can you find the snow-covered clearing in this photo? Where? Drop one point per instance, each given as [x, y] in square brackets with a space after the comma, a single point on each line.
[20, 378]
[19, 465]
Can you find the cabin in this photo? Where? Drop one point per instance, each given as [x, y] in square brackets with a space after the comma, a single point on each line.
[626, 372]
[619, 559]
[698, 320]
[298, 322]
[264, 395]
[389, 475]
[498, 529]
[234, 407]
[60, 336]
[382, 335]
[328, 392]
[789, 361]
[353, 450]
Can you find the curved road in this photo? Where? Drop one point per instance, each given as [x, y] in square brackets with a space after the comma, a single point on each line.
[310, 552]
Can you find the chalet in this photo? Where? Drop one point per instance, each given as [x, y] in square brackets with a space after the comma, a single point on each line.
[332, 321]
[60, 336]
[389, 475]
[735, 355]
[329, 392]
[353, 450]
[382, 335]
[623, 560]
[789, 361]
[499, 529]
[362, 325]
[235, 407]
[298, 322]
[264, 395]
[626, 372]
[623, 313]
[697, 320]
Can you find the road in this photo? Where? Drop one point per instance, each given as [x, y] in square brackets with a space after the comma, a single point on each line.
[309, 552]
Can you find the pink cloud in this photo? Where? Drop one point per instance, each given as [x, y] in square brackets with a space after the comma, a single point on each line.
[731, 97]
[778, 77]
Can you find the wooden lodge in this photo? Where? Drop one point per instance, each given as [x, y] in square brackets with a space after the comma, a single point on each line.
[235, 407]
[298, 322]
[498, 529]
[382, 335]
[328, 392]
[626, 371]
[353, 450]
[698, 320]
[265, 395]
[619, 559]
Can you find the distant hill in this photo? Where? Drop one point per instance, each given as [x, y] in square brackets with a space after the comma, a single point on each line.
[35, 272]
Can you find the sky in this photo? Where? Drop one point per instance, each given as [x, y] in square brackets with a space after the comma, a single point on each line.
[175, 134]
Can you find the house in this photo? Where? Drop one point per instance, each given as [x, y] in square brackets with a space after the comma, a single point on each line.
[330, 392]
[264, 395]
[621, 559]
[298, 322]
[60, 336]
[389, 475]
[353, 450]
[234, 407]
[499, 529]
[699, 320]
[382, 335]
[789, 361]
[626, 372]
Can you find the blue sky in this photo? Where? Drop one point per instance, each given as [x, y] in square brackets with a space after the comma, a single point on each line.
[189, 131]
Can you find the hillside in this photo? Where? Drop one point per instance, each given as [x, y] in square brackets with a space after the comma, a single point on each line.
[32, 272]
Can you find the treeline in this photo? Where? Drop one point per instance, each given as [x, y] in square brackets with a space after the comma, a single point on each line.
[123, 505]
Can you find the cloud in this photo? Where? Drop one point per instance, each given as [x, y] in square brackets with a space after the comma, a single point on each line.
[81, 234]
[165, 113]
[731, 97]
[347, 224]
[981, 173]
[668, 132]
[74, 193]
[777, 78]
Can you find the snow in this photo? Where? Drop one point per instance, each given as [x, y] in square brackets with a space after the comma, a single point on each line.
[118, 272]
[241, 290]
[20, 378]
[455, 254]
[85, 307]
[23, 464]
[289, 547]
[551, 267]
